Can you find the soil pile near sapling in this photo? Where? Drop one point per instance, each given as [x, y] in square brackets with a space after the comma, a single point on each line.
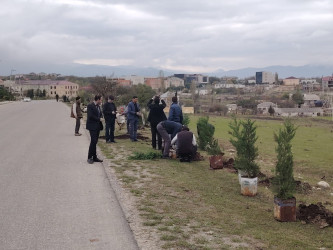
[301, 187]
[126, 136]
[315, 214]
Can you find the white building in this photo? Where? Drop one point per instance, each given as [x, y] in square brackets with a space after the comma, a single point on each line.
[136, 80]
[265, 77]
[173, 82]
[228, 86]
[263, 107]
[290, 112]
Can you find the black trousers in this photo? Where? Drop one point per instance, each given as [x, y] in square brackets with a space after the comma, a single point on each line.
[94, 134]
[154, 133]
[109, 129]
[77, 125]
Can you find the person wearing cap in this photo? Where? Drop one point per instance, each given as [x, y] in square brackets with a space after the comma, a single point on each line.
[133, 115]
[186, 144]
[110, 112]
[165, 128]
[77, 114]
[175, 113]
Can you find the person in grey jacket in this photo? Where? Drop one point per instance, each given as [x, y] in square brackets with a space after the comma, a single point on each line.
[175, 113]
[133, 115]
[165, 128]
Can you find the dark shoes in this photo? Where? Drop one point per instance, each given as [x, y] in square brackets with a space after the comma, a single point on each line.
[109, 141]
[135, 140]
[94, 159]
[97, 160]
[78, 134]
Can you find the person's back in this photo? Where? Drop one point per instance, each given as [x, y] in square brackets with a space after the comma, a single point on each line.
[185, 139]
[156, 113]
[175, 113]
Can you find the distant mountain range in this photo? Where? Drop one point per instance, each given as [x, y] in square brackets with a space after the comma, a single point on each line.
[120, 71]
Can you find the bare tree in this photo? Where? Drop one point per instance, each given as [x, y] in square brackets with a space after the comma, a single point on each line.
[104, 87]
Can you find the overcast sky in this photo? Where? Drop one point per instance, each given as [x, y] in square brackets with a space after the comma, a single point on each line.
[188, 35]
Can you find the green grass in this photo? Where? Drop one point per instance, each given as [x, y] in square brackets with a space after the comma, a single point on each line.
[192, 207]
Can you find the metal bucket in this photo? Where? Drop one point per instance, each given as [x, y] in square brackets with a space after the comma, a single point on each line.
[285, 210]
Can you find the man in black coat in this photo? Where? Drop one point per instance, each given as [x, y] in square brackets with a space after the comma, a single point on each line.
[109, 111]
[156, 115]
[94, 125]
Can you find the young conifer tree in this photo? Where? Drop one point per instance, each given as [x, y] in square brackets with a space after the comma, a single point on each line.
[244, 139]
[205, 133]
[284, 183]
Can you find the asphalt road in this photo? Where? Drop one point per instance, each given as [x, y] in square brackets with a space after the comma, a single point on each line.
[50, 197]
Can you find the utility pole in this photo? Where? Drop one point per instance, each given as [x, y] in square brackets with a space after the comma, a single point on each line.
[11, 72]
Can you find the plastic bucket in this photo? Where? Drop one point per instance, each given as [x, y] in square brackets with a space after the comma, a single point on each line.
[249, 186]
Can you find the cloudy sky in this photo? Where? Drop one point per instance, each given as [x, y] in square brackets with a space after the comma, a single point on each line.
[188, 35]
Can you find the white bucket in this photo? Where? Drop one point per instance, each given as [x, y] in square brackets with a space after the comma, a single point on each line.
[249, 186]
[240, 174]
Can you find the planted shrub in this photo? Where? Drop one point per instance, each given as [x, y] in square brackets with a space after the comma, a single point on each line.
[145, 156]
[244, 139]
[214, 148]
[205, 132]
[186, 119]
[284, 183]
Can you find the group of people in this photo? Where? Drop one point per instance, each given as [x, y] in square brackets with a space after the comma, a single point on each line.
[168, 130]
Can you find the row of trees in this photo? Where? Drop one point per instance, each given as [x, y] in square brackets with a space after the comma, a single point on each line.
[32, 94]
[105, 87]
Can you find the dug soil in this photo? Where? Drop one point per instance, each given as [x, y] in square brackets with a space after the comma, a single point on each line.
[315, 214]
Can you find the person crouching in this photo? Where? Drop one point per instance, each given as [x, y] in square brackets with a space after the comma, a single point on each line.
[186, 144]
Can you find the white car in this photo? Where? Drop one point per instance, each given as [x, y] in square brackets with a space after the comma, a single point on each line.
[27, 99]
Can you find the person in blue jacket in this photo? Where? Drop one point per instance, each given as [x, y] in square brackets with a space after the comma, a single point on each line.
[175, 113]
[133, 115]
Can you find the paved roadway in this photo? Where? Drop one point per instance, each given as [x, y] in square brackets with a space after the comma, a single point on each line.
[50, 197]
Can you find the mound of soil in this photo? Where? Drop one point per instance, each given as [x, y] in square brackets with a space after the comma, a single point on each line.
[266, 182]
[126, 136]
[315, 214]
[301, 187]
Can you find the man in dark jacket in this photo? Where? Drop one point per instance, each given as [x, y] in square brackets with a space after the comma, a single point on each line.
[109, 111]
[165, 128]
[175, 113]
[133, 115]
[186, 144]
[156, 115]
[94, 125]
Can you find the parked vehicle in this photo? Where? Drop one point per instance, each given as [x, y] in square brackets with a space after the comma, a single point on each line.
[27, 99]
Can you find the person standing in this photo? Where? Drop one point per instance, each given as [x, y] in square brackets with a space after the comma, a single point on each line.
[57, 97]
[133, 115]
[77, 113]
[94, 125]
[110, 112]
[165, 128]
[156, 115]
[175, 113]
